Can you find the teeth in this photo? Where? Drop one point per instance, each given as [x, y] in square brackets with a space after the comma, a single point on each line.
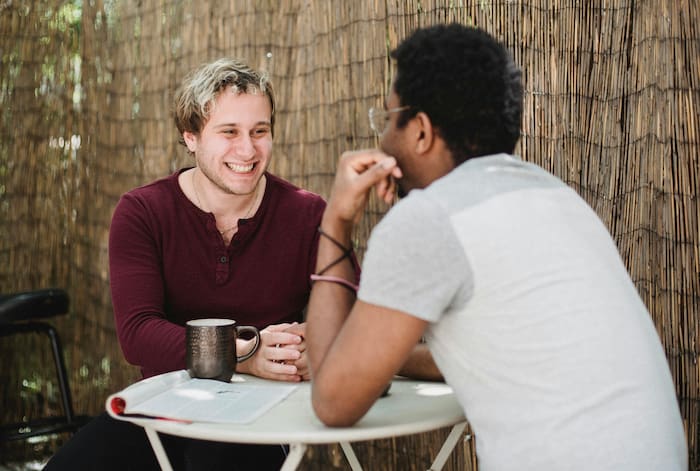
[240, 168]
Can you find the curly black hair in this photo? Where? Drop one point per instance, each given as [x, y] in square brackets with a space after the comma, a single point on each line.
[468, 85]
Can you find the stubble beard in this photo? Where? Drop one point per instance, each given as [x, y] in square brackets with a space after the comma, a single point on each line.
[215, 178]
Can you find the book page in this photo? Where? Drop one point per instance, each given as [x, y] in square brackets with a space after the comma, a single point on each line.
[145, 389]
[201, 400]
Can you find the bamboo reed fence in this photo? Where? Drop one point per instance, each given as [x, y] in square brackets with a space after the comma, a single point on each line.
[612, 89]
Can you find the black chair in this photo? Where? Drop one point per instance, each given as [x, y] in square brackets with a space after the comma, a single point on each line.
[18, 314]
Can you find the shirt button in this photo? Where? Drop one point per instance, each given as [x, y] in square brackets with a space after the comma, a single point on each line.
[223, 259]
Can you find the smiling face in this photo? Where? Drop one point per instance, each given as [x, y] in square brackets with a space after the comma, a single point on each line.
[234, 148]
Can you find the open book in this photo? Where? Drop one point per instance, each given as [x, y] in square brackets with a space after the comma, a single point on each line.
[176, 396]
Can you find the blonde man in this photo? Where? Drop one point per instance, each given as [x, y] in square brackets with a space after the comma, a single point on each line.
[224, 238]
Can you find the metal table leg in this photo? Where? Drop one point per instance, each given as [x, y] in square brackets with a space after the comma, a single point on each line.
[294, 457]
[448, 446]
[158, 449]
[350, 455]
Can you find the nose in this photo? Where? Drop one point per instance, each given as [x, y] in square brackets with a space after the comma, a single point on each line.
[244, 148]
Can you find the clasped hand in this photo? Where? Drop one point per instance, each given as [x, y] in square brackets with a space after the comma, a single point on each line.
[281, 355]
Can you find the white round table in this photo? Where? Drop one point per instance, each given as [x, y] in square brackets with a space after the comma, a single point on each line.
[411, 407]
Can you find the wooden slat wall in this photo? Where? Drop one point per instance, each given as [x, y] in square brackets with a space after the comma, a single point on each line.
[611, 96]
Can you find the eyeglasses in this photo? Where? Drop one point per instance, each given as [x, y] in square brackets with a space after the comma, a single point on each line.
[379, 117]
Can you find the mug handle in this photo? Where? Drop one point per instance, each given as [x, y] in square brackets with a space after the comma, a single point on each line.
[253, 330]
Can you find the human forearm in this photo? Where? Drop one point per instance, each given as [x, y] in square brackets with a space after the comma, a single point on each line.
[330, 302]
[151, 343]
[420, 365]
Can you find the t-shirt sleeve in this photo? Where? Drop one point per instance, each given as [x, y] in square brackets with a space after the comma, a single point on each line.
[414, 262]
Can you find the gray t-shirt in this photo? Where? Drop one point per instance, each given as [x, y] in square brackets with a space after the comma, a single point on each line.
[535, 322]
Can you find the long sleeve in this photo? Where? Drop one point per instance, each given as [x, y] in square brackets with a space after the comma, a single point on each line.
[146, 337]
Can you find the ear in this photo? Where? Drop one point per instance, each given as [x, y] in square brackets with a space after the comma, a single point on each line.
[190, 140]
[425, 133]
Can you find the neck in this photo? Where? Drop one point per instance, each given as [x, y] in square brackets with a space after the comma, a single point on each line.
[226, 208]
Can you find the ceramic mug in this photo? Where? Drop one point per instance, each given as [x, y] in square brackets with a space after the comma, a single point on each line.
[211, 347]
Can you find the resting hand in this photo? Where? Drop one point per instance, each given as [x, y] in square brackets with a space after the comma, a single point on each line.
[358, 172]
[277, 355]
[302, 363]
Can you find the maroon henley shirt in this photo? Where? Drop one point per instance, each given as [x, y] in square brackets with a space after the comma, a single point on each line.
[168, 264]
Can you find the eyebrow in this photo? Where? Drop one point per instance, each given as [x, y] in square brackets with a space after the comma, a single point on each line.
[228, 125]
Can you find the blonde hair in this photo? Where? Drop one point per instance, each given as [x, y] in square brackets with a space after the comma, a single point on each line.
[195, 98]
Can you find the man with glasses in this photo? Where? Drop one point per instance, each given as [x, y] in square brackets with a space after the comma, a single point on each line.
[509, 276]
